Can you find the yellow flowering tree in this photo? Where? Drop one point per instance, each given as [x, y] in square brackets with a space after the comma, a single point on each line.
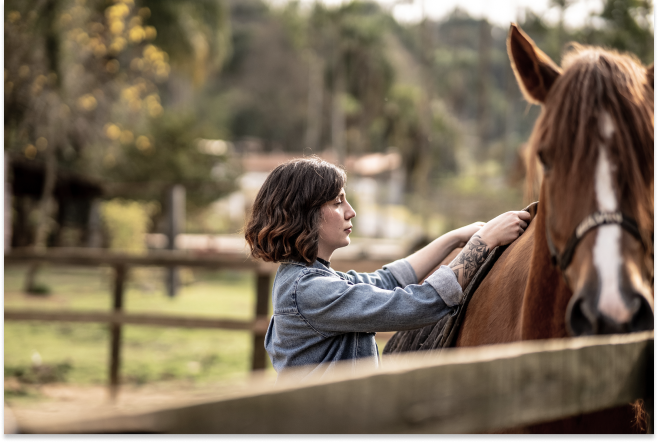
[83, 85]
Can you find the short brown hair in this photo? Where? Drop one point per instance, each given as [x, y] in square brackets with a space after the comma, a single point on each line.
[285, 220]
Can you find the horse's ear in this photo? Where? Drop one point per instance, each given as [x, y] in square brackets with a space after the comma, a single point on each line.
[534, 70]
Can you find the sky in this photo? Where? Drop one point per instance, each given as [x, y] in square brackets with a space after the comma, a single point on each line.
[500, 12]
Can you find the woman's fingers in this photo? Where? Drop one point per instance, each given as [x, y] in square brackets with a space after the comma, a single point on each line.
[505, 228]
[523, 215]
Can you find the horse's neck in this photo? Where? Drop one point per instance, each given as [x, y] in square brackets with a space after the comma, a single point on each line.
[546, 294]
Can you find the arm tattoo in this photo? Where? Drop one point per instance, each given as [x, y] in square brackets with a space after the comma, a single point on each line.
[469, 260]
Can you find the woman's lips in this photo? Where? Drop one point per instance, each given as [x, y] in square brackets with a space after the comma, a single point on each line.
[348, 230]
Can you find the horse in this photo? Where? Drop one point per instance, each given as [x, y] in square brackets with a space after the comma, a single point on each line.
[584, 266]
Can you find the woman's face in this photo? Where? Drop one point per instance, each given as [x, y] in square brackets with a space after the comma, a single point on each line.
[335, 227]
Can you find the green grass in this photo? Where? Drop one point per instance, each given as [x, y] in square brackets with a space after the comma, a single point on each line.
[149, 353]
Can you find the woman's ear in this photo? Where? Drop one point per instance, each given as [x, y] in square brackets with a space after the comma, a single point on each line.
[535, 72]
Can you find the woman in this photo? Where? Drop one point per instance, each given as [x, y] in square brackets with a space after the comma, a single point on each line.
[322, 316]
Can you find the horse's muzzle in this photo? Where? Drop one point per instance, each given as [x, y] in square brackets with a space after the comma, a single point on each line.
[584, 318]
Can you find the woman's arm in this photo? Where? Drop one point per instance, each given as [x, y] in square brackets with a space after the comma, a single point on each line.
[429, 257]
[501, 230]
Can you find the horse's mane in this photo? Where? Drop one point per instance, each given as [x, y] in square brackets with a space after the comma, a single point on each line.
[595, 81]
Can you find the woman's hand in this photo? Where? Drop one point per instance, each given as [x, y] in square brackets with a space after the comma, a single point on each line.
[505, 228]
[464, 234]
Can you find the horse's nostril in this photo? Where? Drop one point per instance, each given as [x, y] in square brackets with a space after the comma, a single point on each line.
[584, 317]
[579, 318]
[643, 315]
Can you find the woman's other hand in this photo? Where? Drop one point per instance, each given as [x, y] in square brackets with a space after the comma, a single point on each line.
[505, 228]
[464, 234]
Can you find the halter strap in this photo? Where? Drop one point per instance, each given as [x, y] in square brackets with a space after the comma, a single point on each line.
[590, 222]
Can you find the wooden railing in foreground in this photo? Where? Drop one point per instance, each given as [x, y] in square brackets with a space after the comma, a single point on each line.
[467, 390]
[162, 258]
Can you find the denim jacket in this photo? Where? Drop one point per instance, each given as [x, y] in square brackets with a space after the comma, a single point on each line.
[322, 316]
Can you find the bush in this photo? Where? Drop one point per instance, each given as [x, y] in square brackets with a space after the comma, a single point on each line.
[127, 222]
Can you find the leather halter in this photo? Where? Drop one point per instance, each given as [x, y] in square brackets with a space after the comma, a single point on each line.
[590, 222]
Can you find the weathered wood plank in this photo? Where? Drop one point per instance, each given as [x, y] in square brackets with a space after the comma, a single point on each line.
[467, 390]
[160, 258]
[259, 325]
[167, 258]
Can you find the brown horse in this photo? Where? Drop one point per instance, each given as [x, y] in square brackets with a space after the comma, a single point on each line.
[585, 264]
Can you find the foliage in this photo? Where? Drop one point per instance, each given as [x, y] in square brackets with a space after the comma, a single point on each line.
[127, 222]
[122, 90]
[195, 34]
[72, 73]
[350, 38]
[264, 84]
[87, 84]
[171, 154]
[627, 27]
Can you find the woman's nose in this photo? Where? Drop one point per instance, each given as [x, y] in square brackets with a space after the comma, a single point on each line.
[350, 213]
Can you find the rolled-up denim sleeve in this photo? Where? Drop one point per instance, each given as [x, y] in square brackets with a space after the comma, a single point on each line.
[331, 305]
[403, 272]
[446, 284]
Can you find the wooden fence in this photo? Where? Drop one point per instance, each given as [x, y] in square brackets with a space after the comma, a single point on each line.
[469, 390]
[168, 259]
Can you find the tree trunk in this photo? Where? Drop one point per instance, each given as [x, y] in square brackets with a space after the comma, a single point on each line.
[46, 204]
[425, 160]
[483, 85]
[338, 116]
[52, 102]
[314, 110]
[8, 204]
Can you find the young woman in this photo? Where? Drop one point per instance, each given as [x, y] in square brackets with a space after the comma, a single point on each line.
[322, 316]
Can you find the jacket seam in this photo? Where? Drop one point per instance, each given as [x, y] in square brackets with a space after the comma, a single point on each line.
[294, 300]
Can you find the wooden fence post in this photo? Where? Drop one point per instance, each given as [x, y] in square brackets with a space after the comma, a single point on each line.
[175, 224]
[115, 330]
[263, 286]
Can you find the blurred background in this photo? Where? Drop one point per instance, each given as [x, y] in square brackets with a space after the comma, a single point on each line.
[141, 125]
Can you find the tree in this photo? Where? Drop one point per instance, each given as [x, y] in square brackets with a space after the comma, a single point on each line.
[83, 82]
[349, 38]
[628, 27]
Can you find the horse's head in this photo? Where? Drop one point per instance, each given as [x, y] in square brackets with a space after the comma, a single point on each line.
[594, 139]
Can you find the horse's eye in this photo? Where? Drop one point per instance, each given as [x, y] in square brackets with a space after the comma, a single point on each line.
[543, 161]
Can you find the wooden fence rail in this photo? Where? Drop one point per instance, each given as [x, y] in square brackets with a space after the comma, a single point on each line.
[121, 263]
[469, 390]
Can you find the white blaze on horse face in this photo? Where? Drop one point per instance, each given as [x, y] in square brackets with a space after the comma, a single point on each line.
[606, 126]
[607, 246]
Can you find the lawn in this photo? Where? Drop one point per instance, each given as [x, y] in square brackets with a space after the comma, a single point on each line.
[78, 353]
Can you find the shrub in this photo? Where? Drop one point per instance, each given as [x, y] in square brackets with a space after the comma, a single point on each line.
[127, 222]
